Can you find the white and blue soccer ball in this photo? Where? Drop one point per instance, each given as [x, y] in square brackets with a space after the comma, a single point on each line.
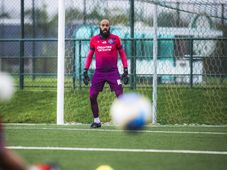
[131, 111]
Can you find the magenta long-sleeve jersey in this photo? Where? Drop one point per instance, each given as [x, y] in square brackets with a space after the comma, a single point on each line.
[106, 51]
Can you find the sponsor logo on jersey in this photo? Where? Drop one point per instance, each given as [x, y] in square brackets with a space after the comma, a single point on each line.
[104, 48]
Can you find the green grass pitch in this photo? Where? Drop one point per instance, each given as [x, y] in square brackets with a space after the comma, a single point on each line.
[156, 147]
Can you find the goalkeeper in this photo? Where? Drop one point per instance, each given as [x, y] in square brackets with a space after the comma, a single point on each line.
[106, 46]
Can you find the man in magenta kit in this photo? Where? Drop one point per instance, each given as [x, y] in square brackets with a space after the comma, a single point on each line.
[106, 46]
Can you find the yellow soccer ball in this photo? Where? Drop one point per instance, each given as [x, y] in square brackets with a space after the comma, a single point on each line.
[104, 167]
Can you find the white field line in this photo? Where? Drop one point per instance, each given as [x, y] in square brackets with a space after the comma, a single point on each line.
[118, 130]
[119, 150]
[110, 125]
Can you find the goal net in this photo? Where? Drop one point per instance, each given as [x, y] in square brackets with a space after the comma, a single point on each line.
[191, 58]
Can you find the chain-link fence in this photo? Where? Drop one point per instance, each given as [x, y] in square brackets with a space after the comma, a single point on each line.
[28, 35]
[192, 52]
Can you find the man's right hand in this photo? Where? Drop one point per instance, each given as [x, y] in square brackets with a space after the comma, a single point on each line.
[86, 79]
[124, 76]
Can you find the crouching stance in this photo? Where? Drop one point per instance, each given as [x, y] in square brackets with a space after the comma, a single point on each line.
[106, 46]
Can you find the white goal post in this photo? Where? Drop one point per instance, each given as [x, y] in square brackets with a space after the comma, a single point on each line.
[61, 62]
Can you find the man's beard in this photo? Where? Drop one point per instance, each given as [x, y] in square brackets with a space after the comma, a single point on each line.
[105, 34]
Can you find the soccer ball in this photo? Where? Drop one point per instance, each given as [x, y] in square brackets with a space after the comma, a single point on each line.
[104, 167]
[131, 111]
[6, 86]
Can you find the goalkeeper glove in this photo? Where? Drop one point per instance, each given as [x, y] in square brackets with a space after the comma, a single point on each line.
[86, 79]
[124, 76]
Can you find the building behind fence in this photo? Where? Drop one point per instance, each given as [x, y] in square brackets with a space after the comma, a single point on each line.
[192, 38]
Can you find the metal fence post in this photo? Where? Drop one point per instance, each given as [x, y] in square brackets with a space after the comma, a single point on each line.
[33, 42]
[74, 65]
[80, 66]
[133, 61]
[21, 59]
[222, 43]
[191, 60]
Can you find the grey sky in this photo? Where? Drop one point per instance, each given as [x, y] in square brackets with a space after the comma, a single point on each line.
[13, 6]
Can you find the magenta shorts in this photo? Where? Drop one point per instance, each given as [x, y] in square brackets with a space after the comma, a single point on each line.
[112, 78]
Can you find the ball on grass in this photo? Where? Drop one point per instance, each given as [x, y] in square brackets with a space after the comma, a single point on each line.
[6, 86]
[104, 167]
[131, 111]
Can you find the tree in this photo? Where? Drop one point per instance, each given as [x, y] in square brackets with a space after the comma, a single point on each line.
[72, 14]
[168, 19]
[4, 15]
[41, 19]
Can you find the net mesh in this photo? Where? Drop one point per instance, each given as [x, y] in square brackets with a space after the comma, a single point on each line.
[191, 57]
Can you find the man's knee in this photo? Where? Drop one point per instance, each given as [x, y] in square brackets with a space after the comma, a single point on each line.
[93, 95]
